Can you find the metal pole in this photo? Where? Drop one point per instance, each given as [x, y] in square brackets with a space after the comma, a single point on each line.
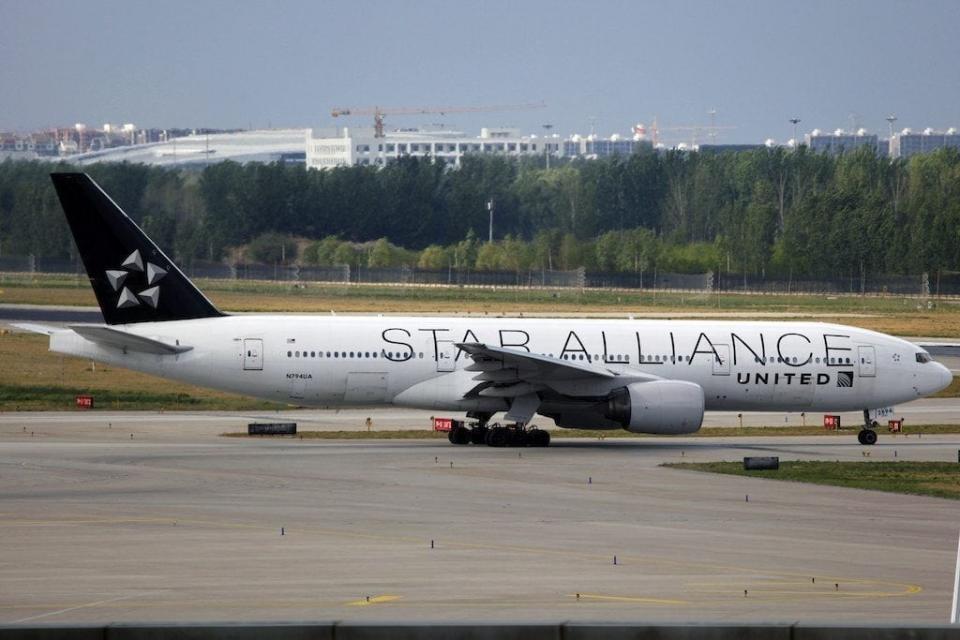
[546, 144]
[795, 121]
[490, 209]
[955, 608]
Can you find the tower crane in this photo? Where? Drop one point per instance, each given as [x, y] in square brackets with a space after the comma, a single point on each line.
[379, 113]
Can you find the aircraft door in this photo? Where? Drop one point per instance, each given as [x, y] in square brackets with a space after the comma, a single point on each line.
[721, 365]
[446, 354]
[252, 354]
[868, 361]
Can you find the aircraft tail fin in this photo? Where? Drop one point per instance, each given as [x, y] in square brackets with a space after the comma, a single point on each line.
[131, 277]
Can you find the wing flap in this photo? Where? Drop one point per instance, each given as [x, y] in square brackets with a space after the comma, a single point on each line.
[119, 339]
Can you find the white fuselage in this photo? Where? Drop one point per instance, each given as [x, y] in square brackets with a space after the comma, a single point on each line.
[414, 361]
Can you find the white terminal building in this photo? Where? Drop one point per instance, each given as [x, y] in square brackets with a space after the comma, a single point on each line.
[329, 148]
[908, 143]
[903, 144]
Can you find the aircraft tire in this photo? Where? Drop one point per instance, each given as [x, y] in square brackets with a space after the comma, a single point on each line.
[498, 437]
[459, 435]
[478, 435]
[538, 438]
[867, 437]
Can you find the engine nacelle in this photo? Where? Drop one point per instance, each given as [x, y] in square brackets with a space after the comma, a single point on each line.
[667, 407]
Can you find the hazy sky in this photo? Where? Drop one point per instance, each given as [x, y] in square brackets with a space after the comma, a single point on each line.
[238, 64]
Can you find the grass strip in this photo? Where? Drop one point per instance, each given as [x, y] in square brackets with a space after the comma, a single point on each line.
[59, 398]
[938, 479]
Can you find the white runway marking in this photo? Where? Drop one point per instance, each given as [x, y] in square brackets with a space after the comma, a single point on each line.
[88, 605]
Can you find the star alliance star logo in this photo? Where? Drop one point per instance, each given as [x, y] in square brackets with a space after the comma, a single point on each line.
[132, 265]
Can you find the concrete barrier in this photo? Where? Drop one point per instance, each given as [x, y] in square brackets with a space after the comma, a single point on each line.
[475, 631]
[575, 631]
[446, 630]
[266, 631]
[272, 429]
[761, 463]
[811, 632]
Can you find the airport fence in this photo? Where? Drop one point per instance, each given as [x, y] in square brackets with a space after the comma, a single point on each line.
[922, 285]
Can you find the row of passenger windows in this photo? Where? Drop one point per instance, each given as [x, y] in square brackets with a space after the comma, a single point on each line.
[614, 359]
[389, 355]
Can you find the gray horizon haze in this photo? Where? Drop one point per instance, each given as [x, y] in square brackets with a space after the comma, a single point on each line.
[605, 65]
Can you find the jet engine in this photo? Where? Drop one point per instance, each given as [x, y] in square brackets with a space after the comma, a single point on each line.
[668, 407]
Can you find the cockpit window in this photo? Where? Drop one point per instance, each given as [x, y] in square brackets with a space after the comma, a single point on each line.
[923, 356]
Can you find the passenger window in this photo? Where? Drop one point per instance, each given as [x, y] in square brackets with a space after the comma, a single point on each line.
[313, 354]
[289, 354]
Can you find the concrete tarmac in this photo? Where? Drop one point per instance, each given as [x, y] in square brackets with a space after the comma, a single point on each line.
[100, 425]
[184, 525]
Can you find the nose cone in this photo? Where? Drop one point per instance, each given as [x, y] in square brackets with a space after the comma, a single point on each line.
[935, 377]
[946, 377]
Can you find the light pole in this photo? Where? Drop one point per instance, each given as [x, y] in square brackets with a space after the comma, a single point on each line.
[490, 209]
[890, 120]
[546, 148]
[795, 121]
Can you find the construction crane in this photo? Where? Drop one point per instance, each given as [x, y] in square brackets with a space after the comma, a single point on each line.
[695, 131]
[379, 113]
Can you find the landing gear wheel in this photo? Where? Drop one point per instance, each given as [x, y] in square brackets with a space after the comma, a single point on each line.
[498, 437]
[459, 435]
[538, 438]
[518, 437]
[867, 436]
[478, 435]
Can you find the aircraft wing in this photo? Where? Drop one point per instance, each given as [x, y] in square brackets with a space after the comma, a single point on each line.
[120, 339]
[529, 365]
[510, 372]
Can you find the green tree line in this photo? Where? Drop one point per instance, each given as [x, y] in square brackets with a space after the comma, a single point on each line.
[761, 212]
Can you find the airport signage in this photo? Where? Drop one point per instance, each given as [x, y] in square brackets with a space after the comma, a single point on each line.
[83, 402]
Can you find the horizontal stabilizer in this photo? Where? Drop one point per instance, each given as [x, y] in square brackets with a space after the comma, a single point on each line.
[33, 327]
[120, 339]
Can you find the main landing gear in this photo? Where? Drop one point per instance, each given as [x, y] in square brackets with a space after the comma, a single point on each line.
[498, 435]
[868, 435]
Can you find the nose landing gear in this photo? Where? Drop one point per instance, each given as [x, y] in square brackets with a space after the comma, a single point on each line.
[868, 434]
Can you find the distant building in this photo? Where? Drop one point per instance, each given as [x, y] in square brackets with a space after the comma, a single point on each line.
[27, 147]
[360, 146]
[907, 143]
[841, 141]
[728, 148]
[265, 145]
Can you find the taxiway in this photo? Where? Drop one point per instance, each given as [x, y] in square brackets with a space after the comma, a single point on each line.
[188, 525]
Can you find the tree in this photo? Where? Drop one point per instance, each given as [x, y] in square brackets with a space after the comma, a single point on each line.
[433, 257]
[381, 254]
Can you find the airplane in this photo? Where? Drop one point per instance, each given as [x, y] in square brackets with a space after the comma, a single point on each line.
[645, 376]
